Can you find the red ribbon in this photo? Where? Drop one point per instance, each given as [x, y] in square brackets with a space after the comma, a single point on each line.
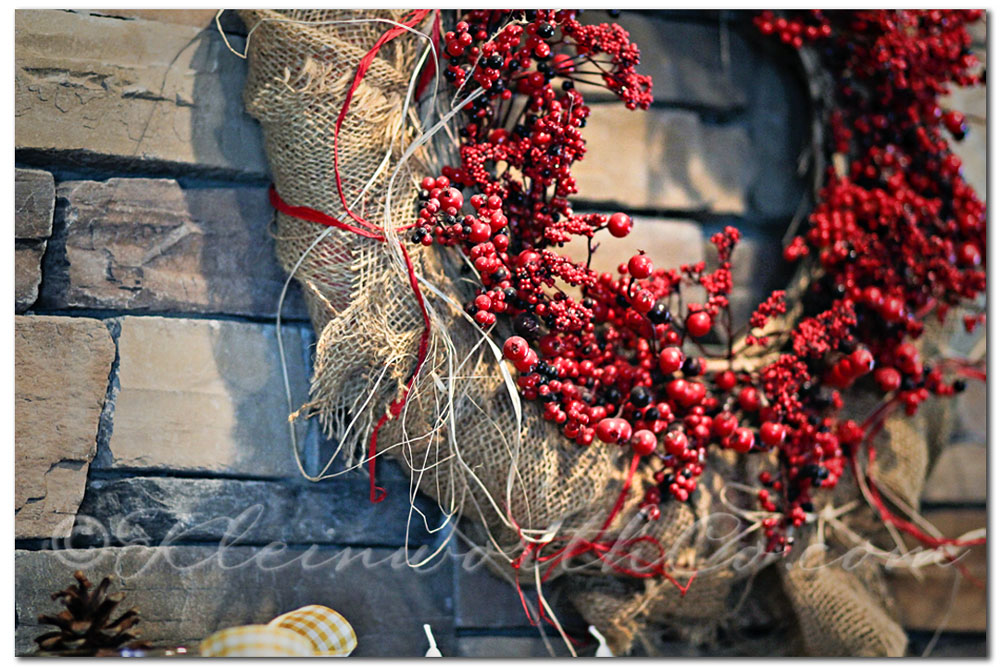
[428, 74]
[875, 423]
[416, 17]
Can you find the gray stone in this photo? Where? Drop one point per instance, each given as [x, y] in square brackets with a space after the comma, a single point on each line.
[694, 67]
[758, 269]
[61, 367]
[150, 245]
[971, 413]
[757, 262]
[206, 396]
[186, 593]
[34, 201]
[970, 100]
[663, 159]
[779, 132]
[511, 647]
[156, 510]
[484, 600]
[751, 128]
[132, 94]
[978, 31]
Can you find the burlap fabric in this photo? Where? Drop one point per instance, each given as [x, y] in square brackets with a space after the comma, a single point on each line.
[459, 431]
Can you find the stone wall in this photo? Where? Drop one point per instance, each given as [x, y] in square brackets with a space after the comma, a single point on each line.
[150, 404]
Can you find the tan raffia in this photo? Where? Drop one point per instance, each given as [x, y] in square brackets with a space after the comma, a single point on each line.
[461, 434]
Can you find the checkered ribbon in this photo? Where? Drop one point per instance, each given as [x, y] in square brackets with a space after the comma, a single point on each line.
[258, 641]
[329, 632]
[313, 630]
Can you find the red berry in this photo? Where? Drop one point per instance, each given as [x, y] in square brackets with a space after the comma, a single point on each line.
[515, 348]
[451, 198]
[893, 309]
[955, 122]
[640, 266]
[907, 358]
[483, 302]
[969, 254]
[527, 362]
[861, 361]
[849, 433]
[873, 296]
[676, 389]
[699, 324]
[562, 63]
[749, 399]
[671, 359]
[479, 232]
[725, 380]
[724, 424]
[772, 434]
[693, 394]
[613, 430]
[643, 442]
[676, 443]
[619, 225]
[742, 440]
[888, 378]
[643, 301]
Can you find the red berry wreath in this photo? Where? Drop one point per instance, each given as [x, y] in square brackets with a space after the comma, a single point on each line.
[896, 236]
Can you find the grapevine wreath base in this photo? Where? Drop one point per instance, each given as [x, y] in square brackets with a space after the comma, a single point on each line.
[403, 369]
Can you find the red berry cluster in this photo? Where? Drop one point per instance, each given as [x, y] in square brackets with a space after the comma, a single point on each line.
[900, 234]
[622, 358]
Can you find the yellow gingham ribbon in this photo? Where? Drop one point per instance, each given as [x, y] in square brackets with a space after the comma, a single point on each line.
[329, 632]
[256, 641]
[313, 630]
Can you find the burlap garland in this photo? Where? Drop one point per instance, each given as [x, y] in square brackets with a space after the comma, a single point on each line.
[458, 428]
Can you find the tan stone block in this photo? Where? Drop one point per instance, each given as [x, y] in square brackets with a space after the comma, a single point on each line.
[198, 18]
[206, 396]
[27, 275]
[664, 160]
[149, 244]
[61, 368]
[132, 91]
[959, 475]
[972, 409]
[669, 243]
[34, 202]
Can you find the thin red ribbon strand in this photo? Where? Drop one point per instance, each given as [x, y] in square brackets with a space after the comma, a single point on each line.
[428, 74]
[873, 425]
[416, 17]
[604, 550]
[376, 494]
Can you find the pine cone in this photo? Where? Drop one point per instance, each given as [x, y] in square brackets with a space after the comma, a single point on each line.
[84, 625]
